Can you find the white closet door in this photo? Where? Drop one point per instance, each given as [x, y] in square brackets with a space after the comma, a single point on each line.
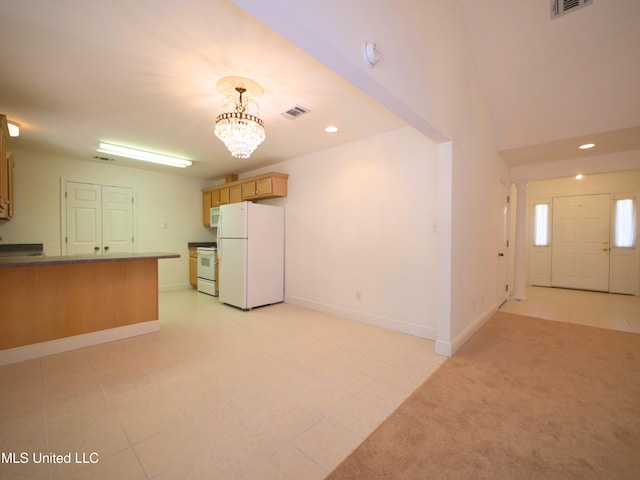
[99, 219]
[84, 218]
[117, 219]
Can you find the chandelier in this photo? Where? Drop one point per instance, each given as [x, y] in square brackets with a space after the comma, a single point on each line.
[240, 131]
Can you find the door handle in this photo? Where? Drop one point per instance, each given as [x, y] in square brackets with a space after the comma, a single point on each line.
[501, 254]
[605, 249]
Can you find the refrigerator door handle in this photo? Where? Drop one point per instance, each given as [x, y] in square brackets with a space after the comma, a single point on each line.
[218, 235]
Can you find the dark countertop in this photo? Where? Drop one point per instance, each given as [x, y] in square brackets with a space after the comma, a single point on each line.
[18, 249]
[201, 244]
[24, 261]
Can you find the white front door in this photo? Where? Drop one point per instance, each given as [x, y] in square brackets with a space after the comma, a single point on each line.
[580, 244]
[99, 219]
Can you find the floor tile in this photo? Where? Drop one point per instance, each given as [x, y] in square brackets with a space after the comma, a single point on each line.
[274, 393]
[289, 463]
[176, 446]
[251, 445]
[328, 443]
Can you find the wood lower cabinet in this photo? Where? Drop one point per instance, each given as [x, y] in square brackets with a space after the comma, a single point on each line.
[193, 267]
[269, 185]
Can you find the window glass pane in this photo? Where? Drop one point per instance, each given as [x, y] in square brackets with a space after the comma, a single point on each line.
[541, 225]
[625, 225]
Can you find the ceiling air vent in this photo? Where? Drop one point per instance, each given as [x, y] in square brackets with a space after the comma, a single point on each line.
[562, 7]
[295, 112]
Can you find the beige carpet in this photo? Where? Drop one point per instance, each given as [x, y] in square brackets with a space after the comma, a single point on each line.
[523, 399]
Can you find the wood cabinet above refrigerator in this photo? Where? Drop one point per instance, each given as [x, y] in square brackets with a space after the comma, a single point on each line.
[268, 185]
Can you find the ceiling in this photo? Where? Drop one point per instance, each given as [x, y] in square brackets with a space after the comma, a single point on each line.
[143, 74]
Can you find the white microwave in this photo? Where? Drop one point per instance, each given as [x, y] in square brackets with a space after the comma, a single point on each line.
[214, 217]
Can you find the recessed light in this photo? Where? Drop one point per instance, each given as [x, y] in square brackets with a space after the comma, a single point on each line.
[331, 129]
[587, 146]
[579, 176]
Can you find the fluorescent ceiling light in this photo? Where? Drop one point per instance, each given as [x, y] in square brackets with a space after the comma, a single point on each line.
[587, 146]
[142, 155]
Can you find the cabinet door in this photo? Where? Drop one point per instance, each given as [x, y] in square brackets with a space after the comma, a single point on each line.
[4, 182]
[248, 190]
[10, 166]
[215, 198]
[235, 194]
[206, 207]
[264, 186]
[193, 267]
[224, 196]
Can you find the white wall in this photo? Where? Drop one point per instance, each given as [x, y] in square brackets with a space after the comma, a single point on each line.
[160, 198]
[426, 75]
[359, 231]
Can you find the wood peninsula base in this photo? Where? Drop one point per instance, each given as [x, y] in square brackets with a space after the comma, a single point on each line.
[57, 304]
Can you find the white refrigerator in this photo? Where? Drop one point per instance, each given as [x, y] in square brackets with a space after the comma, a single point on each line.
[251, 254]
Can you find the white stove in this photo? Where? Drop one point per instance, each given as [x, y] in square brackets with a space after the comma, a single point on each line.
[207, 271]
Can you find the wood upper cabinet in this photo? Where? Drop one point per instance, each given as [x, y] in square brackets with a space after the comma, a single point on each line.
[6, 172]
[269, 185]
[265, 187]
[235, 194]
[206, 206]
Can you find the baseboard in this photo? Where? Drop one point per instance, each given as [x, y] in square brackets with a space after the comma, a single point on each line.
[371, 319]
[448, 349]
[37, 350]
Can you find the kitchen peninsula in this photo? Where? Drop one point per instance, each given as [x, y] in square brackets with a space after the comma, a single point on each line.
[54, 304]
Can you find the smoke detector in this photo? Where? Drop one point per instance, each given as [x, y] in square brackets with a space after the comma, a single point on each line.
[370, 53]
[562, 7]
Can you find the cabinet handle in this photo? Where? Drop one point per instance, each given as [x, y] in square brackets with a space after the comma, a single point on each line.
[106, 248]
[96, 248]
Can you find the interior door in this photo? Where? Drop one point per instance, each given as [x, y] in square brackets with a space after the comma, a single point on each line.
[84, 218]
[503, 244]
[117, 219]
[580, 244]
[99, 219]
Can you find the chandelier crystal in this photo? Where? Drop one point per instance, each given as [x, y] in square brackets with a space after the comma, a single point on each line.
[240, 130]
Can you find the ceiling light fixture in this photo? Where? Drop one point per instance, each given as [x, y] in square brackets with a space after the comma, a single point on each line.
[331, 129]
[579, 176]
[143, 155]
[587, 146]
[240, 131]
[14, 128]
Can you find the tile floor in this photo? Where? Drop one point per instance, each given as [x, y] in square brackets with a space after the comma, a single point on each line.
[604, 310]
[279, 392]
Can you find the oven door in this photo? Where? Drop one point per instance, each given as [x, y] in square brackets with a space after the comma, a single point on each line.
[207, 264]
